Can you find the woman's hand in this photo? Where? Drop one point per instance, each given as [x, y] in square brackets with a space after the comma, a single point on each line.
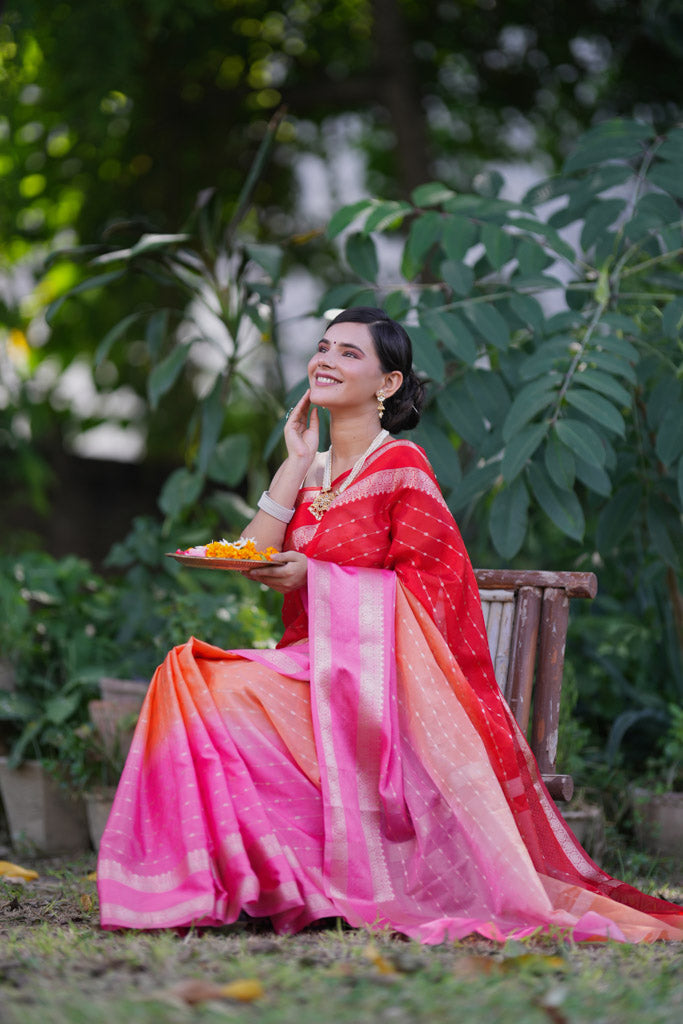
[301, 436]
[285, 572]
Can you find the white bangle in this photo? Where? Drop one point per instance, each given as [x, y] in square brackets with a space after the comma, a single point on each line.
[274, 509]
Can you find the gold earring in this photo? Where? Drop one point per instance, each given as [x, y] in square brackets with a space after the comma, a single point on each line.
[380, 403]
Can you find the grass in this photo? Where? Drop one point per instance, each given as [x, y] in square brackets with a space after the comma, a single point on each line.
[58, 966]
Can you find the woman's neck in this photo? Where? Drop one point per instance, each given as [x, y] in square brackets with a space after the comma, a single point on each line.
[351, 437]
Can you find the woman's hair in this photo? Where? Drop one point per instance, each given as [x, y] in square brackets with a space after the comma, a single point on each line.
[395, 352]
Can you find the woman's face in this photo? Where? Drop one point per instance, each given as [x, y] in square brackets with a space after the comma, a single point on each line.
[345, 372]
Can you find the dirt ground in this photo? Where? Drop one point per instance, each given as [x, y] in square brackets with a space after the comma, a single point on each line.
[57, 967]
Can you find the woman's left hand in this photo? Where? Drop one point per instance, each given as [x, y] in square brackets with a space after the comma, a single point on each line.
[285, 572]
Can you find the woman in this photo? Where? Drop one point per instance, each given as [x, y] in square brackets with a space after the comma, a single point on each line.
[368, 768]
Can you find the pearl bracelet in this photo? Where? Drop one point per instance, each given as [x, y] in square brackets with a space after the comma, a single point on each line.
[274, 509]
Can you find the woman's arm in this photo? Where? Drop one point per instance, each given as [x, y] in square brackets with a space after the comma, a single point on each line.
[301, 438]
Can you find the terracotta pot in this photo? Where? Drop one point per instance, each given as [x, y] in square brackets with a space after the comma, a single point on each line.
[40, 815]
[112, 720]
[658, 819]
[98, 808]
[112, 688]
[588, 825]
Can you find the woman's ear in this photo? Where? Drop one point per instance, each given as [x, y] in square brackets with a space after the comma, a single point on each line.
[392, 382]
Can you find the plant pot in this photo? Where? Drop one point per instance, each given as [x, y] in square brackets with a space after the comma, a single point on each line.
[658, 819]
[112, 688]
[39, 814]
[112, 719]
[98, 808]
[588, 825]
[121, 702]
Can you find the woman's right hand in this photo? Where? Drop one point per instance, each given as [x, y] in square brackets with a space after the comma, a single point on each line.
[301, 435]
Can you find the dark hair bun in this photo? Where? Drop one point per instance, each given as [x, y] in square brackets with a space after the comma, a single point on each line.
[403, 410]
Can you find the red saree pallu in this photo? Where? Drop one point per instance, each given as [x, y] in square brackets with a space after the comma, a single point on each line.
[368, 768]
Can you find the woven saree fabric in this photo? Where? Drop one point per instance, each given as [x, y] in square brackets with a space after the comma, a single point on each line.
[368, 768]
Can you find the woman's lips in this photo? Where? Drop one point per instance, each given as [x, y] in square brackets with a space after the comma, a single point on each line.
[323, 381]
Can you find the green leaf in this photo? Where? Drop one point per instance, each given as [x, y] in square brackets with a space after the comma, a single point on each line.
[144, 245]
[211, 421]
[617, 517]
[457, 276]
[612, 140]
[230, 460]
[60, 708]
[346, 216]
[553, 239]
[672, 318]
[155, 332]
[605, 384]
[619, 346]
[508, 518]
[559, 462]
[88, 285]
[442, 453]
[449, 328]
[667, 177]
[490, 324]
[561, 507]
[488, 391]
[180, 490]
[426, 353]
[539, 394]
[338, 297]
[472, 486]
[548, 355]
[528, 310]
[164, 375]
[672, 147]
[600, 216]
[461, 413]
[498, 245]
[594, 477]
[612, 364]
[680, 479]
[660, 537]
[431, 194]
[669, 443]
[459, 235]
[531, 257]
[396, 304]
[388, 214]
[520, 448]
[361, 256]
[269, 257]
[113, 335]
[597, 408]
[425, 233]
[582, 440]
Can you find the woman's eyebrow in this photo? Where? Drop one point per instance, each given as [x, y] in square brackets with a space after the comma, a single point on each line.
[342, 344]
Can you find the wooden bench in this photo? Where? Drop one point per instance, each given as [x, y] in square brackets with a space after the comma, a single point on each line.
[526, 614]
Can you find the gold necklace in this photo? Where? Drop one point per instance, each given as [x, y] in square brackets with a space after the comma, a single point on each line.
[324, 499]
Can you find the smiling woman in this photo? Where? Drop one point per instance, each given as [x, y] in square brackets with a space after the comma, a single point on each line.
[369, 768]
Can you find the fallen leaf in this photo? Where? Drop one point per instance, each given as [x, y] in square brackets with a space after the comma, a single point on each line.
[195, 990]
[372, 954]
[9, 870]
[536, 962]
[91, 877]
[86, 902]
[243, 989]
[474, 966]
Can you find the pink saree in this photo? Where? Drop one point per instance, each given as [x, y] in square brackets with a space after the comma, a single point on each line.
[368, 768]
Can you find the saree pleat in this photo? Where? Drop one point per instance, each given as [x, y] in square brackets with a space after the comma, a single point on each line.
[368, 768]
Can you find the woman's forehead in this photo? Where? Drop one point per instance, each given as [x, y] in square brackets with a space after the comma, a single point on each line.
[350, 333]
